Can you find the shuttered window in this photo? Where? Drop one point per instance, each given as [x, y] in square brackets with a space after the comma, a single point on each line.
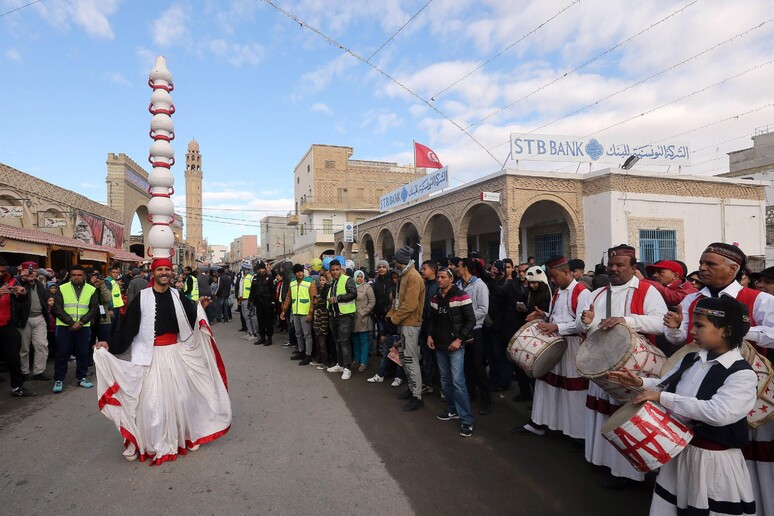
[658, 244]
[547, 246]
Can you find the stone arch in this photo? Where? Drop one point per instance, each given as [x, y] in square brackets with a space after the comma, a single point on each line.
[366, 249]
[52, 210]
[408, 234]
[10, 198]
[554, 216]
[385, 244]
[438, 235]
[485, 227]
[340, 248]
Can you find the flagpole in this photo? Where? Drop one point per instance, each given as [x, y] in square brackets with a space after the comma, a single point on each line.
[414, 145]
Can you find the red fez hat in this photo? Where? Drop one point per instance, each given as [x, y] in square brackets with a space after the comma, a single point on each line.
[556, 261]
[665, 264]
[622, 250]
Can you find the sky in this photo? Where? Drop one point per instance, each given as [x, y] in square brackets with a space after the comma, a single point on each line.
[256, 85]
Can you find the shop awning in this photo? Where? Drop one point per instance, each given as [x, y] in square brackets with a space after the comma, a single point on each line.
[33, 241]
[94, 256]
[21, 247]
[122, 255]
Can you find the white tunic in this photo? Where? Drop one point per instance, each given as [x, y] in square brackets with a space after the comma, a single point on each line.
[682, 482]
[598, 450]
[559, 399]
[761, 471]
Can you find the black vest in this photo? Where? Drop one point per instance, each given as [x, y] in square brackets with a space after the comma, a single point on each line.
[730, 436]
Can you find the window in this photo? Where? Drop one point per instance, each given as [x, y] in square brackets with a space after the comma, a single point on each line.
[298, 180]
[308, 168]
[328, 226]
[329, 163]
[267, 249]
[342, 193]
[658, 244]
[302, 229]
[547, 246]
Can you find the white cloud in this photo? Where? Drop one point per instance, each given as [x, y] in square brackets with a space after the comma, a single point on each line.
[170, 27]
[89, 185]
[236, 53]
[117, 78]
[319, 79]
[321, 107]
[13, 55]
[90, 15]
[380, 121]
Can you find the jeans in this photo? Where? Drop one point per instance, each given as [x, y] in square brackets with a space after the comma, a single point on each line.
[224, 312]
[361, 342]
[68, 342]
[116, 324]
[248, 312]
[303, 334]
[452, 369]
[409, 356]
[341, 326]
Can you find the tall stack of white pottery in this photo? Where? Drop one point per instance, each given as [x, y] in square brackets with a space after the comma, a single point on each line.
[162, 157]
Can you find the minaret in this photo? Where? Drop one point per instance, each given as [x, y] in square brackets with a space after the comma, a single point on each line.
[193, 196]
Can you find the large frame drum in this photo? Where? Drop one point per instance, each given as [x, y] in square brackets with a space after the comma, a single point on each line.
[534, 351]
[646, 434]
[617, 349]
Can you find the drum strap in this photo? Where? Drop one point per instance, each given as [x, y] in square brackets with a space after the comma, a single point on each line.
[608, 302]
[671, 383]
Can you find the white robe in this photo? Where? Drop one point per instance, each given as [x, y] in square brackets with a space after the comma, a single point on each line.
[598, 450]
[557, 403]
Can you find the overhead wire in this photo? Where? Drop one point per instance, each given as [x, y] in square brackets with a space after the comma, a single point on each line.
[360, 58]
[20, 8]
[506, 49]
[398, 31]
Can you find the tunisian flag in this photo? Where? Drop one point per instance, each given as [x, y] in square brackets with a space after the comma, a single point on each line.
[424, 157]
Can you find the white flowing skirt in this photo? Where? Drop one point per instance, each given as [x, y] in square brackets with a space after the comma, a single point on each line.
[179, 401]
[700, 479]
[760, 462]
[599, 451]
[560, 396]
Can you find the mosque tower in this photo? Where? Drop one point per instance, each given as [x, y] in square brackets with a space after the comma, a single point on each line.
[193, 197]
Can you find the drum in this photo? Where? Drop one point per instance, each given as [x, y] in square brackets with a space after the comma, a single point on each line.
[763, 411]
[646, 434]
[617, 349]
[534, 351]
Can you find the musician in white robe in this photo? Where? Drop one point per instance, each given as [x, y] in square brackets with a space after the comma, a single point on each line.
[639, 306]
[560, 395]
[172, 396]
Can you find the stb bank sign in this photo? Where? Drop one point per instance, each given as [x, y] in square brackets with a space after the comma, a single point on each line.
[545, 147]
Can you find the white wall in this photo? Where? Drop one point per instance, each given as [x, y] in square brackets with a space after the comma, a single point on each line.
[607, 217]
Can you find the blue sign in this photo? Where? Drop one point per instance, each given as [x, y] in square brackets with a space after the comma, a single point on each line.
[433, 182]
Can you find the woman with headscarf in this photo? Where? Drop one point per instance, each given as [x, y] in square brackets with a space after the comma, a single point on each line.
[363, 324]
[539, 295]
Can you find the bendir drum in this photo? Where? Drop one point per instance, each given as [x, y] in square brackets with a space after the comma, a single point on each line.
[535, 352]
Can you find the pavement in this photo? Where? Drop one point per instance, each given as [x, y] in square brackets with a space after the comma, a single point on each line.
[302, 441]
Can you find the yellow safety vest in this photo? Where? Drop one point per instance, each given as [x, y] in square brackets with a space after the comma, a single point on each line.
[300, 296]
[76, 307]
[246, 285]
[118, 301]
[341, 289]
[194, 295]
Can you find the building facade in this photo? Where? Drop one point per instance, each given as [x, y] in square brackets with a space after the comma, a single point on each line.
[278, 239]
[331, 189]
[579, 215]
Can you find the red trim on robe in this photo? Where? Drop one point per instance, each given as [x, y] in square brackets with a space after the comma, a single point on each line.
[156, 461]
[565, 382]
[218, 359]
[604, 407]
[108, 399]
[759, 451]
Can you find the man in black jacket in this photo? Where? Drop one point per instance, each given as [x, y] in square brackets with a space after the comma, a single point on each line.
[33, 326]
[451, 323]
[383, 287]
[11, 294]
[262, 297]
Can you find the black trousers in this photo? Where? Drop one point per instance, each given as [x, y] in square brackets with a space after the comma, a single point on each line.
[264, 312]
[475, 367]
[10, 342]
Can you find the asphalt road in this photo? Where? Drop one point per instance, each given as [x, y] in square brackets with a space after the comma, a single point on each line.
[302, 441]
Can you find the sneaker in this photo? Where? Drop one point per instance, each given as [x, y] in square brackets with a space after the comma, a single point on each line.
[305, 361]
[528, 429]
[286, 345]
[22, 392]
[413, 404]
[42, 377]
[262, 340]
[376, 379]
[268, 342]
[335, 369]
[83, 382]
[321, 367]
[314, 363]
[447, 416]
[361, 367]
[396, 382]
[58, 386]
[466, 430]
[246, 337]
[193, 448]
[355, 364]
[427, 389]
[346, 375]
[297, 356]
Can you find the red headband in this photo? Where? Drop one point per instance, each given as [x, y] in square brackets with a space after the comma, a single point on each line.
[161, 262]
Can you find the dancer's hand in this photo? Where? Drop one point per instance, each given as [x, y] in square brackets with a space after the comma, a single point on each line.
[205, 301]
[101, 344]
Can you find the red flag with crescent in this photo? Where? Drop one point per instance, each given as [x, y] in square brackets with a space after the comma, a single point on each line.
[424, 157]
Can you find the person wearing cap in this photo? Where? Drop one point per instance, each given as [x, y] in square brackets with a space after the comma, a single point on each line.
[299, 303]
[172, 396]
[12, 294]
[406, 314]
[261, 296]
[669, 281]
[638, 305]
[33, 326]
[137, 283]
[76, 305]
[560, 396]
[577, 266]
[341, 308]
[719, 267]
[764, 280]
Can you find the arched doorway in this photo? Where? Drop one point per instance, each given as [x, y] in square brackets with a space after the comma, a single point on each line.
[483, 231]
[409, 235]
[440, 234]
[386, 244]
[340, 249]
[53, 221]
[366, 257]
[138, 236]
[547, 229]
